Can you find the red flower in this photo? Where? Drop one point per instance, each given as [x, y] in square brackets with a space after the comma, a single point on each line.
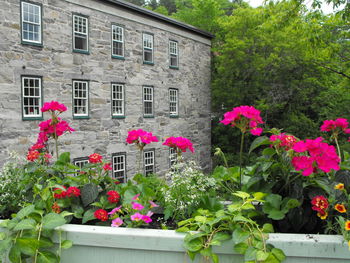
[107, 167]
[56, 208]
[59, 193]
[95, 158]
[320, 204]
[283, 140]
[32, 155]
[340, 208]
[73, 191]
[37, 146]
[101, 214]
[113, 197]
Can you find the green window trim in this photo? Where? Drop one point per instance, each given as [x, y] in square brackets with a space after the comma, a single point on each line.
[118, 36]
[79, 97]
[117, 100]
[29, 97]
[149, 161]
[147, 48]
[83, 25]
[31, 24]
[119, 164]
[148, 101]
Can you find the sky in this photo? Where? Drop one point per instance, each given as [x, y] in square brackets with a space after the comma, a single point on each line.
[327, 9]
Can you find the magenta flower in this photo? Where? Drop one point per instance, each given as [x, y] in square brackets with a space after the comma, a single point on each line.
[136, 197]
[153, 204]
[137, 206]
[107, 167]
[332, 125]
[136, 217]
[140, 136]
[146, 219]
[115, 210]
[117, 222]
[53, 106]
[180, 143]
[283, 140]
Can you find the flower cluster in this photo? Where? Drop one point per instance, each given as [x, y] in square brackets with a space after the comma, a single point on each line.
[32, 155]
[140, 137]
[245, 118]
[320, 155]
[101, 214]
[95, 158]
[320, 204]
[283, 140]
[72, 191]
[180, 143]
[53, 106]
[332, 125]
[113, 197]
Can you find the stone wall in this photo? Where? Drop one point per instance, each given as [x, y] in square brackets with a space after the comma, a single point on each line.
[58, 65]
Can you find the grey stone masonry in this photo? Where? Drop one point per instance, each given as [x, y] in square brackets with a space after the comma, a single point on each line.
[58, 65]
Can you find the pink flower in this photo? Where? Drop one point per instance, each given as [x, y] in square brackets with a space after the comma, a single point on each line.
[153, 204]
[115, 210]
[53, 129]
[304, 163]
[140, 136]
[137, 206]
[331, 125]
[136, 197]
[180, 143]
[95, 158]
[245, 118]
[107, 167]
[146, 219]
[47, 157]
[149, 213]
[53, 106]
[117, 222]
[136, 217]
[42, 138]
[37, 146]
[285, 141]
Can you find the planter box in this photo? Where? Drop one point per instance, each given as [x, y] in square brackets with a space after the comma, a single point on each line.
[126, 245]
[93, 244]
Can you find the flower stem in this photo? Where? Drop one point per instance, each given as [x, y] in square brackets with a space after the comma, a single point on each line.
[240, 161]
[338, 148]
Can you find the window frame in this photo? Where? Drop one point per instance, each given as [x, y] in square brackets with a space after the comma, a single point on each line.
[154, 161]
[177, 54]
[174, 114]
[118, 116]
[123, 41]
[81, 116]
[143, 101]
[80, 160]
[125, 177]
[32, 42]
[172, 156]
[147, 48]
[77, 50]
[40, 115]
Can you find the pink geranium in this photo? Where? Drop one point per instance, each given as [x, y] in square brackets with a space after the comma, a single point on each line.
[283, 140]
[117, 222]
[245, 118]
[115, 210]
[136, 217]
[107, 167]
[95, 158]
[53, 106]
[180, 143]
[137, 206]
[48, 128]
[339, 124]
[140, 137]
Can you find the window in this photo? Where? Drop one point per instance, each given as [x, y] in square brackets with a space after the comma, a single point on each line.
[119, 165]
[117, 41]
[80, 162]
[80, 99]
[31, 97]
[148, 48]
[147, 101]
[31, 23]
[80, 34]
[172, 156]
[173, 54]
[173, 102]
[149, 162]
[117, 100]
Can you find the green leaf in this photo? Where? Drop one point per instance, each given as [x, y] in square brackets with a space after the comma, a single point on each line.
[15, 254]
[261, 255]
[262, 140]
[63, 159]
[278, 253]
[250, 254]
[45, 242]
[221, 236]
[27, 246]
[53, 220]
[66, 244]
[241, 218]
[239, 235]
[47, 257]
[276, 214]
[25, 224]
[206, 252]
[241, 194]
[215, 258]
[290, 204]
[5, 245]
[25, 211]
[267, 228]
[275, 200]
[192, 255]
[89, 193]
[241, 248]
[183, 229]
[194, 245]
[200, 219]
[2, 236]
[88, 216]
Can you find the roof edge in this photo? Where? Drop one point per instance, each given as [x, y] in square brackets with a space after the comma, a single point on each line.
[164, 18]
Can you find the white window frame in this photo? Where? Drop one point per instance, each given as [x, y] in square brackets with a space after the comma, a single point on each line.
[39, 97]
[119, 34]
[80, 162]
[115, 99]
[81, 33]
[172, 156]
[119, 166]
[86, 99]
[173, 52]
[33, 23]
[173, 102]
[149, 161]
[148, 99]
[147, 45]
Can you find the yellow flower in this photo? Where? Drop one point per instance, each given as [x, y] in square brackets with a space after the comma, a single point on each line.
[324, 215]
[340, 208]
[339, 186]
[347, 225]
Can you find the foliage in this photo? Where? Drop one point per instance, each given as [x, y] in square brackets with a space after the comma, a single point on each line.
[233, 222]
[187, 185]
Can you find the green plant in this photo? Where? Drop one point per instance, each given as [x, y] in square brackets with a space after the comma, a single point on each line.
[234, 222]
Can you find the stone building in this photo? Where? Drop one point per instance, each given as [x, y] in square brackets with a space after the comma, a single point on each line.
[116, 66]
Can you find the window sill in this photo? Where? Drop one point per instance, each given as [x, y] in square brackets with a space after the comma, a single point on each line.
[173, 67]
[80, 117]
[32, 44]
[148, 116]
[174, 116]
[81, 51]
[118, 117]
[118, 57]
[32, 118]
[148, 63]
